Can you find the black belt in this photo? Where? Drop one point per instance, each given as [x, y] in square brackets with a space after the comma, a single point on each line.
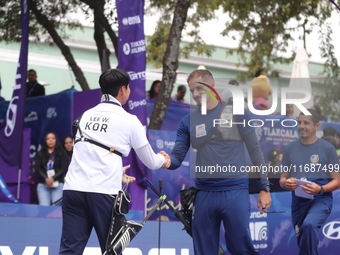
[110, 149]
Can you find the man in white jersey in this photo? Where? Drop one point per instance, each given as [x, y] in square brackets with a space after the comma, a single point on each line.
[104, 134]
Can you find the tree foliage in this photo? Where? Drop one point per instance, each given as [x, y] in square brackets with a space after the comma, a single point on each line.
[329, 98]
[164, 46]
[200, 11]
[65, 50]
[48, 23]
[58, 12]
[103, 12]
[170, 64]
[49, 20]
[264, 30]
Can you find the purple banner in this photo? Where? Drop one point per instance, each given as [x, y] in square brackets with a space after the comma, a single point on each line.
[176, 111]
[12, 127]
[273, 132]
[132, 59]
[131, 53]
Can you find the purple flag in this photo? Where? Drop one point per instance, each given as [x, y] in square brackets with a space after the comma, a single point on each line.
[131, 53]
[11, 129]
[132, 59]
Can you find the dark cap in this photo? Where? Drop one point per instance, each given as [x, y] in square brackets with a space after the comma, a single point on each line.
[273, 154]
[182, 88]
[330, 131]
[233, 82]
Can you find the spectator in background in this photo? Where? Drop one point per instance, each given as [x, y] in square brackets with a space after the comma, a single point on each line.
[226, 95]
[50, 166]
[290, 110]
[179, 97]
[68, 146]
[154, 90]
[33, 88]
[233, 82]
[333, 134]
[322, 117]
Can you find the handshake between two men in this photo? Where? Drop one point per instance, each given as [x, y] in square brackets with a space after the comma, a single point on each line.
[167, 161]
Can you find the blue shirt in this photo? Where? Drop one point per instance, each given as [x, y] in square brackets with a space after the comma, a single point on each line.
[311, 161]
[194, 129]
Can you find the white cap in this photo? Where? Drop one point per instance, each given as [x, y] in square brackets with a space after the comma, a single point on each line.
[201, 67]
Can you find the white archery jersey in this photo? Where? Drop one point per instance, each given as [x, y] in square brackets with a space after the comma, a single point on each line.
[92, 168]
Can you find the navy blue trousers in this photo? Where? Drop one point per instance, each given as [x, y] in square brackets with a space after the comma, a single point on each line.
[83, 211]
[231, 207]
[307, 220]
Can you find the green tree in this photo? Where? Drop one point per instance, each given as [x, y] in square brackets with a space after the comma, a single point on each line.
[264, 28]
[329, 98]
[102, 16]
[50, 27]
[47, 20]
[164, 45]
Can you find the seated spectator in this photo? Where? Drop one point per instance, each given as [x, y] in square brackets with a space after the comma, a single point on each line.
[50, 166]
[68, 146]
[33, 88]
[179, 97]
[154, 90]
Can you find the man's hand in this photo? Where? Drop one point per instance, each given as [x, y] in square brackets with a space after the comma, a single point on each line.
[312, 188]
[263, 201]
[127, 178]
[290, 184]
[167, 161]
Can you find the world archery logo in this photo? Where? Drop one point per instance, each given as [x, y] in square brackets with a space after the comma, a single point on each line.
[204, 97]
[314, 158]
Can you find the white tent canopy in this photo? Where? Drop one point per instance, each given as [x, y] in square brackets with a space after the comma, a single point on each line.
[300, 79]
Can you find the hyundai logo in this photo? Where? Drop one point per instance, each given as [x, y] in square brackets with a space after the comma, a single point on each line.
[332, 230]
